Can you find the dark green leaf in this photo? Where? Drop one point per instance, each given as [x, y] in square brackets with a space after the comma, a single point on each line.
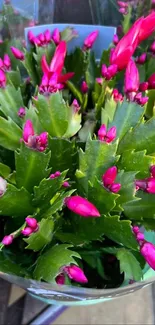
[50, 263]
[129, 265]
[57, 203]
[42, 237]
[142, 209]
[127, 191]
[53, 114]
[8, 266]
[31, 167]
[11, 100]
[151, 102]
[136, 161]
[76, 92]
[10, 134]
[75, 63]
[127, 115]
[4, 170]
[90, 73]
[140, 138]
[47, 189]
[29, 64]
[15, 202]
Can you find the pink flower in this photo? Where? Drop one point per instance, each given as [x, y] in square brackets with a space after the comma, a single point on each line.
[7, 240]
[141, 59]
[109, 72]
[107, 136]
[135, 229]
[31, 222]
[56, 37]
[148, 252]
[115, 39]
[151, 81]
[19, 55]
[123, 11]
[84, 87]
[131, 79]
[117, 96]
[141, 100]
[27, 231]
[75, 273]
[36, 142]
[21, 112]
[109, 178]
[66, 184]
[47, 36]
[152, 170]
[3, 186]
[147, 27]
[90, 40]
[122, 4]
[76, 105]
[2, 79]
[31, 37]
[152, 48]
[60, 279]
[147, 185]
[143, 86]
[81, 206]
[55, 175]
[7, 62]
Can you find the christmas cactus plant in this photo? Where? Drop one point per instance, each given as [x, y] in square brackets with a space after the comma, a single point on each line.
[77, 159]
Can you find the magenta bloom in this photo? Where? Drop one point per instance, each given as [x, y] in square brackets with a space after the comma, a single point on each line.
[36, 142]
[148, 252]
[7, 62]
[115, 39]
[141, 59]
[60, 279]
[31, 222]
[19, 55]
[143, 86]
[47, 36]
[75, 273]
[81, 206]
[21, 112]
[152, 48]
[152, 170]
[107, 136]
[151, 81]
[2, 79]
[109, 180]
[27, 231]
[131, 78]
[7, 240]
[56, 37]
[109, 72]
[90, 40]
[122, 4]
[84, 87]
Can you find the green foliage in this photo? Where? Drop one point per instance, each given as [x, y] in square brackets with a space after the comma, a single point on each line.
[10, 134]
[141, 209]
[31, 167]
[7, 266]
[129, 265]
[4, 170]
[50, 263]
[11, 100]
[42, 237]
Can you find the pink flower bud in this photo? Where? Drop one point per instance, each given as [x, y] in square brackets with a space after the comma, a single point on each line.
[90, 40]
[52, 176]
[143, 86]
[112, 70]
[115, 92]
[56, 37]
[104, 70]
[66, 184]
[60, 279]
[141, 59]
[151, 81]
[123, 11]
[152, 170]
[140, 237]
[7, 240]
[109, 177]
[57, 174]
[76, 105]
[3, 186]
[1, 64]
[143, 101]
[102, 132]
[27, 231]
[31, 37]
[115, 188]
[28, 130]
[111, 134]
[19, 55]
[47, 35]
[81, 206]
[115, 39]
[7, 62]
[148, 252]
[151, 185]
[75, 273]
[122, 4]
[84, 87]
[41, 38]
[2, 79]
[31, 222]
[21, 112]
[152, 48]
[99, 81]
[42, 141]
[135, 229]
[131, 78]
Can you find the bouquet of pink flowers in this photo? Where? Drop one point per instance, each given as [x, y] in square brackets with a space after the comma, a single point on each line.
[77, 159]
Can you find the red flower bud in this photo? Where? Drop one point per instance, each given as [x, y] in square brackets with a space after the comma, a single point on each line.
[81, 206]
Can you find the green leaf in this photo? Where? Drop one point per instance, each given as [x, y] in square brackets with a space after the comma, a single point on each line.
[129, 265]
[90, 73]
[48, 50]
[14, 78]
[4, 170]
[127, 191]
[11, 100]
[53, 114]
[151, 102]
[68, 34]
[42, 237]
[75, 63]
[76, 92]
[31, 167]
[10, 134]
[47, 189]
[8, 266]
[127, 20]
[120, 231]
[87, 130]
[142, 209]
[50, 263]
[127, 115]
[102, 198]
[136, 161]
[98, 156]
[29, 64]
[63, 155]
[57, 203]
[74, 123]
[15, 202]
[150, 67]
[105, 58]
[140, 138]
[108, 112]
[31, 114]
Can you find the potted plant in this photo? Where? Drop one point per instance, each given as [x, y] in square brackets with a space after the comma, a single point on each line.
[77, 170]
